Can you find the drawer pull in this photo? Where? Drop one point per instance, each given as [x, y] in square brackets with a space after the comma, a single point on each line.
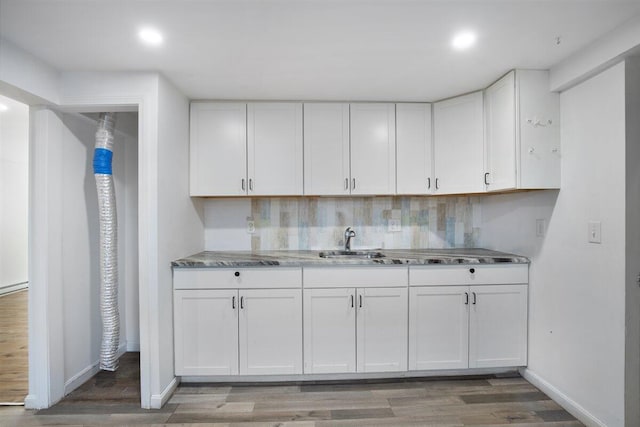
[237, 274]
[472, 270]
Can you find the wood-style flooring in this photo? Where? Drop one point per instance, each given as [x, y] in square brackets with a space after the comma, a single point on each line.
[14, 357]
[112, 398]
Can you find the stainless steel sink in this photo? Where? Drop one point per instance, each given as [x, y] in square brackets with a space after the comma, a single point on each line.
[352, 254]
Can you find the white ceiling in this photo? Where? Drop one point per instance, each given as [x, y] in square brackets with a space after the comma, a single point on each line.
[311, 49]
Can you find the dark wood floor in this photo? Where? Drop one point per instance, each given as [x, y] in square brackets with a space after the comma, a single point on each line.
[14, 357]
[112, 398]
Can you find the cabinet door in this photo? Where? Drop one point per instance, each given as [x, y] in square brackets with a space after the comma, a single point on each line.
[275, 148]
[218, 149]
[205, 332]
[373, 149]
[500, 116]
[326, 149]
[382, 329]
[329, 330]
[498, 326]
[438, 327]
[458, 139]
[270, 331]
[414, 149]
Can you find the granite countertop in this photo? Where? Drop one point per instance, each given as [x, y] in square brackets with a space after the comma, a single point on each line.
[295, 258]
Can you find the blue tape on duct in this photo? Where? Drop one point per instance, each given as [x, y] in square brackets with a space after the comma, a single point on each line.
[102, 161]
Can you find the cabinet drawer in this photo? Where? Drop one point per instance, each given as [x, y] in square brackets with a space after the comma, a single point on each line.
[469, 275]
[240, 278]
[351, 277]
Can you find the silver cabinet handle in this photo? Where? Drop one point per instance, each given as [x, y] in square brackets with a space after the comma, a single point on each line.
[242, 303]
[486, 175]
[437, 182]
[360, 300]
[243, 184]
[233, 302]
[352, 301]
[466, 302]
[346, 183]
[474, 298]
[250, 184]
[354, 184]
[428, 183]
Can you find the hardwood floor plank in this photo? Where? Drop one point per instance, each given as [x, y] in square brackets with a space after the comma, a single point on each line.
[14, 357]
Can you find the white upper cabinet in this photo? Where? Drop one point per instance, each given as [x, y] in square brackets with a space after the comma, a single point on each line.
[500, 110]
[459, 144]
[326, 149]
[274, 147]
[414, 149]
[523, 132]
[373, 149]
[218, 149]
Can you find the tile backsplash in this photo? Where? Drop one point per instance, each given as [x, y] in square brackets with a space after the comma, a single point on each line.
[319, 222]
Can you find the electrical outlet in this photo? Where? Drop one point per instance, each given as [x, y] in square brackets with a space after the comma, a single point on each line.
[540, 227]
[394, 225]
[595, 232]
[251, 226]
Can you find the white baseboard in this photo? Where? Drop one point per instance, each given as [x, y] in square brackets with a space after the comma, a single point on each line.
[31, 402]
[84, 375]
[562, 399]
[133, 346]
[158, 400]
[13, 288]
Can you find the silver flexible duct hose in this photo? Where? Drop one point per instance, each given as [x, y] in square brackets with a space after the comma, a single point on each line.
[103, 155]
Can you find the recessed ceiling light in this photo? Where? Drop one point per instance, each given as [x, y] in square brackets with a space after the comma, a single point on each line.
[150, 36]
[3, 108]
[463, 40]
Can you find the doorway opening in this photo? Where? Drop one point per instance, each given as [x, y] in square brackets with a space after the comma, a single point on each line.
[14, 241]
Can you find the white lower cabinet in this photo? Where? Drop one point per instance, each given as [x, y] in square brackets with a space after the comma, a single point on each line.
[270, 331]
[355, 330]
[453, 327]
[498, 326]
[382, 329]
[244, 321]
[356, 319]
[438, 327]
[329, 330]
[205, 331]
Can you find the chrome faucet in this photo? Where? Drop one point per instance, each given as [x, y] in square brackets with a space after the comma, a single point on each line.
[348, 235]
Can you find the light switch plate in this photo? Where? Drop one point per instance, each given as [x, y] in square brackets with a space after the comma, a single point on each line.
[540, 227]
[595, 232]
[251, 226]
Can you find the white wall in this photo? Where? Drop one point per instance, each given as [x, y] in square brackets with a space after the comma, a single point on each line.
[577, 289]
[81, 247]
[180, 227]
[25, 77]
[632, 249]
[14, 192]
